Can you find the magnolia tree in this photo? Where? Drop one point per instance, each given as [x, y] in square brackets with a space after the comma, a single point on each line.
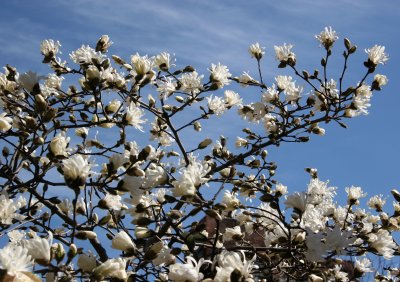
[101, 181]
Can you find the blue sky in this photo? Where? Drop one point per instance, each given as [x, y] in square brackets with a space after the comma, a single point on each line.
[205, 32]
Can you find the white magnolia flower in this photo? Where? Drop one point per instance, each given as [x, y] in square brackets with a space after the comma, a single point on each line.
[9, 208]
[103, 43]
[363, 265]
[245, 79]
[383, 243]
[76, 169]
[376, 202]
[65, 205]
[377, 55]
[327, 37]
[164, 256]
[163, 61]
[15, 260]
[59, 144]
[86, 55]
[216, 104]
[81, 206]
[219, 75]
[232, 98]
[28, 80]
[113, 202]
[191, 178]
[154, 175]
[270, 94]
[54, 81]
[5, 122]
[240, 142]
[39, 248]
[123, 242]
[87, 262]
[281, 189]
[134, 116]
[256, 51]
[354, 194]
[381, 80]
[189, 272]
[233, 234]
[297, 201]
[191, 82]
[337, 240]
[143, 65]
[230, 261]
[49, 47]
[230, 200]
[284, 53]
[82, 132]
[16, 237]
[112, 268]
[166, 87]
[117, 160]
[113, 106]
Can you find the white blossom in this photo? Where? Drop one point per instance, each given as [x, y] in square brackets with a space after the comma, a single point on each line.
[230, 200]
[376, 202]
[232, 98]
[190, 271]
[284, 53]
[54, 81]
[15, 260]
[143, 65]
[112, 268]
[383, 243]
[327, 37]
[39, 248]
[134, 116]
[354, 194]
[230, 261]
[87, 262]
[270, 94]
[234, 233]
[123, 242]
[166, 87]
[59, 144]
[86, 55]
[363, 265]
[191, 82]
[256, 51]
[381, 80]
[191, 178]
[9, 208]
[76, 168]
[220, 75]
[240, 142]
[377, 55]
[216, 104]
[28, 80]
[49, 47]
[163, 61]
[5, 122]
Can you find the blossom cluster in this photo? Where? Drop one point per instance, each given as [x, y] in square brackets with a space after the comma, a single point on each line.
[100, 181]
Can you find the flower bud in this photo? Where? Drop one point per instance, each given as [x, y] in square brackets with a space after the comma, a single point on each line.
[123, 242]
[84, 235]
[142, 232]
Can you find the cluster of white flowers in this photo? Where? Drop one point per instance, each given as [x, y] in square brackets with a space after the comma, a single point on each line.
[191, 177]
[9, 208]
[177, 209]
